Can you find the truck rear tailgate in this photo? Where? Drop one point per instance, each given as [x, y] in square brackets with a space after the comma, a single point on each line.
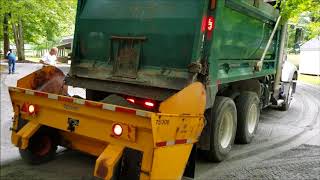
[137, 41]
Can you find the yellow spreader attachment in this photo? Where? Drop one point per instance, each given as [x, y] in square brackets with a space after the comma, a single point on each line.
[129, 143]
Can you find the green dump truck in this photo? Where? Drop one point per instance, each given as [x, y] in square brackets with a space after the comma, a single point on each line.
[152, 49]
[139, 53]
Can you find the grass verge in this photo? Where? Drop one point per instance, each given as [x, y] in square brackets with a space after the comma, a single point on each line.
[33, 59]
[315, 80]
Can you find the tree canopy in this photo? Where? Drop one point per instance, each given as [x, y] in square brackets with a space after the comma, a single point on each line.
[43, 20]
[305, 13]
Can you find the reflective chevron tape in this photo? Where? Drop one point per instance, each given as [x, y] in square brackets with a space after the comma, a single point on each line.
[175, 142]
[84, 102]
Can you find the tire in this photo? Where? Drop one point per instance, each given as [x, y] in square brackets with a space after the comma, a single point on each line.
[248, 112]
[294, 82]
[223, 116]
[42, 148]
[288, 97]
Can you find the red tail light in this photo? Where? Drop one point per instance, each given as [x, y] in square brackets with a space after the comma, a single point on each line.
[117, 129]
[149, 104]
[131, 100]
[213, 4]
[210, 23]
[29, 108]
[204, 24]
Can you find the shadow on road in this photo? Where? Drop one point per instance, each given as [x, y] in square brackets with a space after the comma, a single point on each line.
[71, 165]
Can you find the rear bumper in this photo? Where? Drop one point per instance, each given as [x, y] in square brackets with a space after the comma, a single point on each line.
[156, 137]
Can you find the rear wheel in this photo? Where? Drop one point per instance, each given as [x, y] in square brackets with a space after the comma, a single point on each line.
[223, 128]
[248, 112]
[42, 148]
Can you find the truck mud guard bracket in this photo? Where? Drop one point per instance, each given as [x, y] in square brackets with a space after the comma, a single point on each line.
[21, 138]
[107, 161]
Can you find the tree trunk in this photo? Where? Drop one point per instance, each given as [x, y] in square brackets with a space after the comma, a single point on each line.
[20, 30]
[18, 38]
[6, 42]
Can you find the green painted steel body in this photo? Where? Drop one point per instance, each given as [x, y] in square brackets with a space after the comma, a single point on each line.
[239, 39]
[153, 43]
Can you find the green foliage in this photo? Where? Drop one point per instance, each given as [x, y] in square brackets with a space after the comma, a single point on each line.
[43, 20]
[1, 18]
[303, 13]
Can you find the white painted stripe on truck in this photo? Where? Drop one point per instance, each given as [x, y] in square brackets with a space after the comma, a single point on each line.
[29, 92]
[53, 96]
[171, 143]
[142, 113]
[109, 107]
[78, 101]
[174, 142]
[14, 89]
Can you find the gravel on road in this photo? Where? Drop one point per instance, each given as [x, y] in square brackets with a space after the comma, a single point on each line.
[302, 162]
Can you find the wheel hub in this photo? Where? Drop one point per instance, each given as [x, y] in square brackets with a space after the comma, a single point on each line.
[290, 94]
[225, 132]
[252, 119]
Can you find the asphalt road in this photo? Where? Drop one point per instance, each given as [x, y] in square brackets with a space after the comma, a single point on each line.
[287, 144]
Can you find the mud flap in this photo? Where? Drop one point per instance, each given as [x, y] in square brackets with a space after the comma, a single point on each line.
[191, 165]
[130, 164]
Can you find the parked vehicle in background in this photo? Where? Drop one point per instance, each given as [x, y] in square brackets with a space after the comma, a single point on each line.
[159, 76]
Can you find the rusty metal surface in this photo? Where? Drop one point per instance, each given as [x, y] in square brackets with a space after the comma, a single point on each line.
[141, 91]
[127, 57]
[47, 79]
[126, 64]
[163, 77]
